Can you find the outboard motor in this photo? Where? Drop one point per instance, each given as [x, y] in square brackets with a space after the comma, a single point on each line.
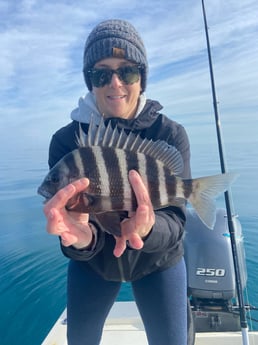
[210, 270]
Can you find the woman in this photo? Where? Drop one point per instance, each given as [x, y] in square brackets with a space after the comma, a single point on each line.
[149, 253]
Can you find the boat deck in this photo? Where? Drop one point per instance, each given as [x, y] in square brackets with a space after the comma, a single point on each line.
[124, 327]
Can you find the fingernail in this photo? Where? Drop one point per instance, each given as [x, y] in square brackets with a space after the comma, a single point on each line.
[132, 173]
[84, 181]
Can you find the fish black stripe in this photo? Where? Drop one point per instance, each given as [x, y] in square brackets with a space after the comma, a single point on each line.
[171, 185]
[91, 170]
[115, 176]
[89, 162]
[71, 163]
[153, 178]
[187, 188]
[132, 161]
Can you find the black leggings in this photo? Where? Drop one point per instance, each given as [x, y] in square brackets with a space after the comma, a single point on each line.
[160, 298]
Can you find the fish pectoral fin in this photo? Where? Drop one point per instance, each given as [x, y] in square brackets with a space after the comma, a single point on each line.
[110, 221]
[80, 202]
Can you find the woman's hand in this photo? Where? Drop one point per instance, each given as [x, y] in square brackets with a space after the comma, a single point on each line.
[72, 227]
[139, 225]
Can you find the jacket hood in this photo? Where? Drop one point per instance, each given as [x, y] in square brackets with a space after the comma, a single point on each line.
[87, 109]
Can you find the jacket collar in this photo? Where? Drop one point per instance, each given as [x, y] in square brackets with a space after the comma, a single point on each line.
[146, 113]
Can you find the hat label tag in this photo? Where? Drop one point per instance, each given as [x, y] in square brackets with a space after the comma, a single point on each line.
[118, 52]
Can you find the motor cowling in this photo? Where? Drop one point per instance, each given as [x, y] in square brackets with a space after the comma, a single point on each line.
[209, 259]
[211, 274]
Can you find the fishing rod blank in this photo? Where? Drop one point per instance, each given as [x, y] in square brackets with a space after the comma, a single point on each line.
[228, 202]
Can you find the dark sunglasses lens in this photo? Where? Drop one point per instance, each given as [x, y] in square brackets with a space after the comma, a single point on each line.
[102, 76]
[129, 74]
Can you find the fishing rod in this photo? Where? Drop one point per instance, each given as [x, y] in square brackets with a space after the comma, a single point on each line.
[228, 201]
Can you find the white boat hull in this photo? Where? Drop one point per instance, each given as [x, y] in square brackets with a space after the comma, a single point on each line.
[124, 327]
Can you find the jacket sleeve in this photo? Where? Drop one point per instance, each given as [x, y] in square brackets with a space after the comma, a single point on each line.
[62, 142]
[168, 230]
[85, 254]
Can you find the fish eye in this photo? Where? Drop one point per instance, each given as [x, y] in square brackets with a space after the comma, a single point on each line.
[54, 178]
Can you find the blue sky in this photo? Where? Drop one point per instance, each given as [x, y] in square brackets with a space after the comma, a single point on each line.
[41, 61]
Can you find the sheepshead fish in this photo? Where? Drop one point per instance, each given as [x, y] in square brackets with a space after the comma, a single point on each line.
[105, 156]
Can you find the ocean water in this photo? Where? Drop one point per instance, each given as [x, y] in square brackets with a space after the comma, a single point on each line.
[32, 268]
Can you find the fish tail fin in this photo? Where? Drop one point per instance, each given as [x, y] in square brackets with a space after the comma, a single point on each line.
[204, 191]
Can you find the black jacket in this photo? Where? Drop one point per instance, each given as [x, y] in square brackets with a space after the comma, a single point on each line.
[163, 247]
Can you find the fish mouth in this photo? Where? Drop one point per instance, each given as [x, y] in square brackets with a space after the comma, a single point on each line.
[47, 195]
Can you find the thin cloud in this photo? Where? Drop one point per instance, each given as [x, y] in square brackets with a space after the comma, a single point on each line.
[42, 46]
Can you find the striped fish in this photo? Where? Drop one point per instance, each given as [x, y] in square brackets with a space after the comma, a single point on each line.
[105, 156]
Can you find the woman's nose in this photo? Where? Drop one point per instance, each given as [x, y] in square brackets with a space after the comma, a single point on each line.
[115, 81]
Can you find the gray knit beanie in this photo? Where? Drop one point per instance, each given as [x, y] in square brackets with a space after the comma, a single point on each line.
[114, 38]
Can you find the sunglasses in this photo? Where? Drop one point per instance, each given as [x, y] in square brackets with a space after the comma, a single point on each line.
[102, 76]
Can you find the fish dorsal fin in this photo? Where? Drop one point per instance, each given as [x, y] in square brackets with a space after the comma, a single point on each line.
[106, 136]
